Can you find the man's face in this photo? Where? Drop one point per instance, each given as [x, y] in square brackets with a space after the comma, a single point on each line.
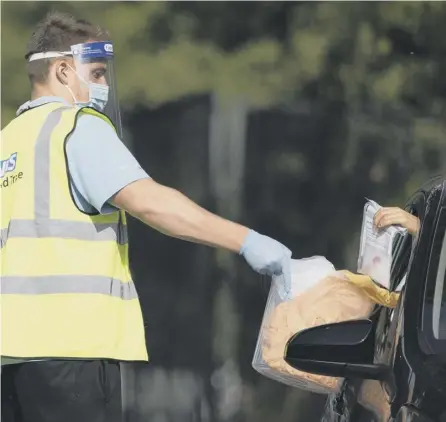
[76, 76]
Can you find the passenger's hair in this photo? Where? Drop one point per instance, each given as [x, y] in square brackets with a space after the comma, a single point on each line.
[58, 32]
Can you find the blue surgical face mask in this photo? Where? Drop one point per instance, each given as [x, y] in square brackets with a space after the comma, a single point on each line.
[98, 94]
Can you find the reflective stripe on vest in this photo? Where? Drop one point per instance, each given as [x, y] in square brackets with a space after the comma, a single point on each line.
[65, 230]
[56, 284]
[44, 226]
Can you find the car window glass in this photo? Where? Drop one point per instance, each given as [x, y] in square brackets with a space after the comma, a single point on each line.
[439, 298]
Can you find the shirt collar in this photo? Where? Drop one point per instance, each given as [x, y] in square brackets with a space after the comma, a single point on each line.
[38, 102]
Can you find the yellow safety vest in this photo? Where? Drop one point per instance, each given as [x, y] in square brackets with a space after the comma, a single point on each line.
[66, 288]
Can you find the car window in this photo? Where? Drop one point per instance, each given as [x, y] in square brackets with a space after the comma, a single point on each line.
[401, 251]
[433, 322]
[439, 299]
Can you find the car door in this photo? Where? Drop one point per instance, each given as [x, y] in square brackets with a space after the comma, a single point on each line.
[425, 318]
[371, 400]
[385, 399]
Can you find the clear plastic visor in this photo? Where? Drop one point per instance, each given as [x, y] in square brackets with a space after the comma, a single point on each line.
[94, 64]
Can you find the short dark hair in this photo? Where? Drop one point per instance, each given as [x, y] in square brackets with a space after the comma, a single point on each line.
[58, 32]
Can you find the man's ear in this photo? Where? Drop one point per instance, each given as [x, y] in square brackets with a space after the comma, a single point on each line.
[62, 70]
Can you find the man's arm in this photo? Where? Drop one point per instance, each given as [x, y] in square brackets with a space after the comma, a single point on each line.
[172, 213]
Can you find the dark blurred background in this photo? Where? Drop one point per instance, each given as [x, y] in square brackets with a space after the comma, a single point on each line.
[283, 116]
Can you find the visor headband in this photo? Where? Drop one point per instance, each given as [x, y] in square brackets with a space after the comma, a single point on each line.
[48, 55]
[91, 50]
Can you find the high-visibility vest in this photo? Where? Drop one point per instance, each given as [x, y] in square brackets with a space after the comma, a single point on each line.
[66, 288]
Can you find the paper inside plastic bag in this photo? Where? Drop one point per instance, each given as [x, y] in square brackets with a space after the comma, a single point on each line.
[375, 252]
[305, 273]
[320, 296]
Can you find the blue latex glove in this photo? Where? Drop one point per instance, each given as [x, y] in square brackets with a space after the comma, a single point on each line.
[268, 256]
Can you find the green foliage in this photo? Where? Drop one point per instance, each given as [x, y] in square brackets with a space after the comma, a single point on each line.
[166, 49]
[269, 53]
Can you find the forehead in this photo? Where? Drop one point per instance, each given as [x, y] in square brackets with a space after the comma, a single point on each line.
[93, 62]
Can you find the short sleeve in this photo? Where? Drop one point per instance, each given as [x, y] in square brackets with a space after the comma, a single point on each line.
[99, 164]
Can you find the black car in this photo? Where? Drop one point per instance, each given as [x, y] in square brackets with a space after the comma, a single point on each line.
[394, 364]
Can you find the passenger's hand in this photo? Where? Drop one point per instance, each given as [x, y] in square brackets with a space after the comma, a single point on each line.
[267, 256]
[396, 216]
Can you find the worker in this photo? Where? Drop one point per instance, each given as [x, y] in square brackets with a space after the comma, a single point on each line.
[70, 311]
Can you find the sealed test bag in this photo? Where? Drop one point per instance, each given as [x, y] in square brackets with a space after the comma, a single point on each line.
[376, 247]
[319, 295]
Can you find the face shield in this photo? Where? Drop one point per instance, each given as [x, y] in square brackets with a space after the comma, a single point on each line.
[94, 67]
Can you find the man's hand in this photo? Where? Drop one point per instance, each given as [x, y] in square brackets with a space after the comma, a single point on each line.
[267, 256]
[396, 216]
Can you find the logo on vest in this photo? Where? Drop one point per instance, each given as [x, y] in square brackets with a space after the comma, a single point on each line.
[7, 166]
